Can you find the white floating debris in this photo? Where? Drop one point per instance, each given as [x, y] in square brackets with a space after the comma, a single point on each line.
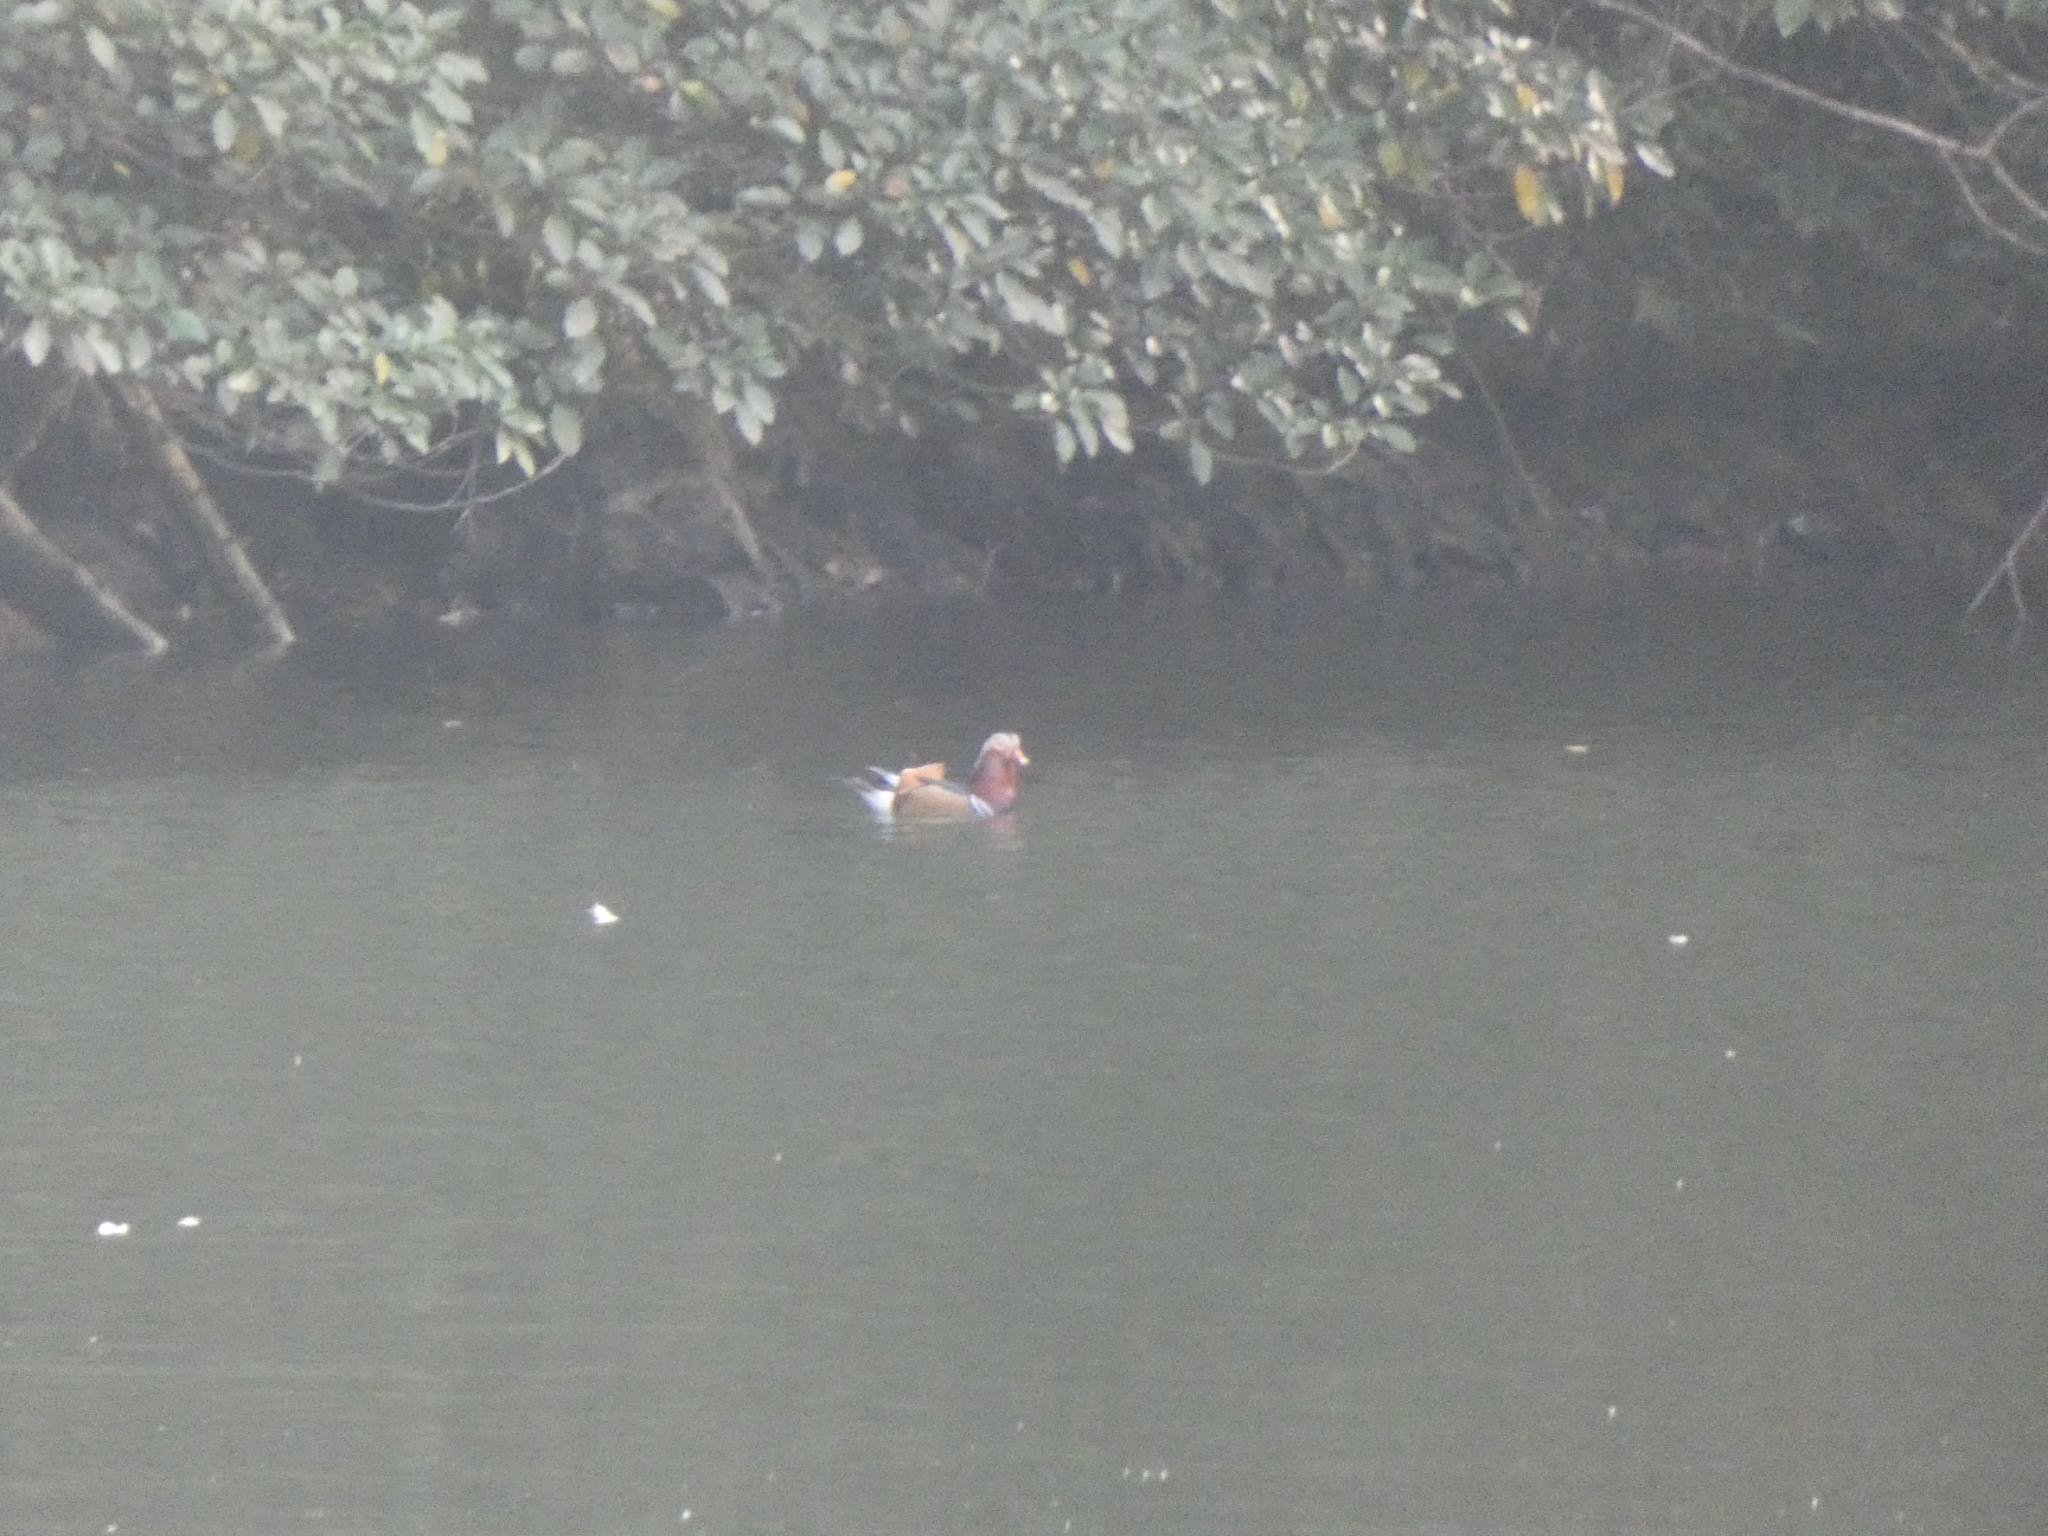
[1678, 940]
[1577, 748]
[602, 916]
[188, 1222]
[1613, 1412]
[1729, 1054]
[113, 1229]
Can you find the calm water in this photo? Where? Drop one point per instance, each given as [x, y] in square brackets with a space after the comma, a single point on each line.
[1301, 1120]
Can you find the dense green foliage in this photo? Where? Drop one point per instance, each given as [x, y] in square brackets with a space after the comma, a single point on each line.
[342, 235]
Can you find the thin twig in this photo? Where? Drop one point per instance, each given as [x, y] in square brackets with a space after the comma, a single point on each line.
[1904, 128]
[1537, 499]
[1983, 214]
[2008, 571]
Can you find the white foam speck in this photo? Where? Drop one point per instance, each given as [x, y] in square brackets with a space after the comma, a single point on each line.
[602, 916]
[113, 1229]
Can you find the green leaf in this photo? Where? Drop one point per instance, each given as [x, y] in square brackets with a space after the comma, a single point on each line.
[751, 426]
[579, 318]
[1055, 189]
[271, 114]
[565, 426]
[1201, 462]
[448, 101]
[1026, 307]
[847, 239]
[1084, 426]
[35, 343]
[1063, 444]
[1108, 225]
[1239, 273]
[1791, 15]
[1115, 417]
[633, 302]
[712, 286]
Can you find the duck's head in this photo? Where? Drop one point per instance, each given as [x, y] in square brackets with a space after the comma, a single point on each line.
[995, 776]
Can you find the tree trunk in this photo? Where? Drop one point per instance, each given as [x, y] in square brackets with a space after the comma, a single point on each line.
[60, 596]
[706, 436]
[218, 543]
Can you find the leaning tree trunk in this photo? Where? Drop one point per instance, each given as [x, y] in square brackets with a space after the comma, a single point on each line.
[218, 543]
[61, 597]
[706, 436]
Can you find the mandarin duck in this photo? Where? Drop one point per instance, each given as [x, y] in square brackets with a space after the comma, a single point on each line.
[925, 792]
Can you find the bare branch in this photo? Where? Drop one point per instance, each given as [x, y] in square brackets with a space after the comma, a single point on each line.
[1985, 216]
[2008, 571]
[1987, 72]
[219, 545]
[1901, 127]
[60, 595]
